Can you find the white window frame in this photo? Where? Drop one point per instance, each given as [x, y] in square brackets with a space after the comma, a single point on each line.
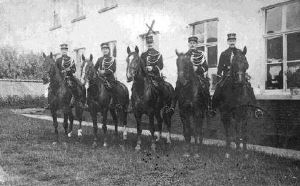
[283, 33]
[56, 20]
[79, 11]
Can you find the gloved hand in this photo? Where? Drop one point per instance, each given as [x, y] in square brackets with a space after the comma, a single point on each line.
[149, 68]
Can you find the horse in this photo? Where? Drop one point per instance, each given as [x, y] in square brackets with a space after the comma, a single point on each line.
[145, 99]
[192, 103]
[100, 99]
[59, 96]
[237, 100]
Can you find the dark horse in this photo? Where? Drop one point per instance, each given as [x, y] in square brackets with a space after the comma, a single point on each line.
[59, 96]
[146, 99]
[192, 102]
[237, 100]
[100, 99]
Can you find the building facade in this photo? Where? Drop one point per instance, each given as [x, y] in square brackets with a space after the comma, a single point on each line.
[269, 28]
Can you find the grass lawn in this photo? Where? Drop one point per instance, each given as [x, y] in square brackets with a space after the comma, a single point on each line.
[29, 158]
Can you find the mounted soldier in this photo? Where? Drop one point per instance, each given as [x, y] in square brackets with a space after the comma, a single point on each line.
[106, 67]
[224, 65]
[66, 65]
[200, 67]
[153, 63]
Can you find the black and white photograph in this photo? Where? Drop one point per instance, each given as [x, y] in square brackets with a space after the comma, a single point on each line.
[149, 92]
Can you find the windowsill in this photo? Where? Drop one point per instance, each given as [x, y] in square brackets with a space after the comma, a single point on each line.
[78, 19]
[55, 27]
[107, 8]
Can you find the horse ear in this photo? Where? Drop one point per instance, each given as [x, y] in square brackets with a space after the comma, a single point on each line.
[44, 55]
[245, 50]
[176, 51]
[51, 55]
[91, 57]
[128, 50]
[136, 49]
[83, 58]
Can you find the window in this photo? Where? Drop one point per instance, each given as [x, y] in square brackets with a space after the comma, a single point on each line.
[113, 48]
[108, 5]
[79, 11]
[78, 60]
[56, 15]
[207, 33]
[283, 46]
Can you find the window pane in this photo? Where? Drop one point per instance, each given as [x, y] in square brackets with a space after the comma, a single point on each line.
[212, 31]
[293, 75]
[293, 46]
[274, 76]
[274, 50]
[199, 29]
[273, 22]
[212, 56]
[293, 15]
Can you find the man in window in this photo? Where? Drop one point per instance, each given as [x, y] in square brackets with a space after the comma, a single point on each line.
[67, 66]
[153, 62]
[106, 66]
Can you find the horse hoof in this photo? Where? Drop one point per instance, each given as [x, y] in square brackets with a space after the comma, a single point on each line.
[169, 141]
[124, 137]
[104, 144]
[153, 147]
[227, 155]
[138, 148]
[246, 156]
[79, 132]
[70, 134]
[186, 155]
[196, 155]
[94, 145]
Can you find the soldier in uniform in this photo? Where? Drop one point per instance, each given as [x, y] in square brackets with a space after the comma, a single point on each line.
[67, 66]
[153, 63]
[224, 68]
[106, 66]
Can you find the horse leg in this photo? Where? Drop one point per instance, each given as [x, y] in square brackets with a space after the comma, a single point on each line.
[79, 113]
[65, 124]
[159, 124]
[237, 126]
[245, 138]
[225, 118]
[124, 120]
[104, 126]
[186, 131]
[152, 131]
[198, 124]
[71, 120]
[55, 124]
[95, 127]
[167, 121]
[138, 118]
[115, 121]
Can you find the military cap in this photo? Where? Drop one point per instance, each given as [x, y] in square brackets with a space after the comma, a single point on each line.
[231, 36]
[104, 45]
[64, 46]
[149, 39]
[193, 38]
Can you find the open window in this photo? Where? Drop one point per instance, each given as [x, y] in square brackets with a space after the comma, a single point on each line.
[282, 36]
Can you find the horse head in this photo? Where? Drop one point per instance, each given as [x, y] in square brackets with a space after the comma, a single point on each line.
[88, 71]
[133, 64]
[47, 68]
[239, 66]
[184, 68]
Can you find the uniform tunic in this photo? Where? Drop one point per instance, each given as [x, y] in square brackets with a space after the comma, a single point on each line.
[66, 63]
[200, 64]
[108, 64]
[154, 59]
[225, 61]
